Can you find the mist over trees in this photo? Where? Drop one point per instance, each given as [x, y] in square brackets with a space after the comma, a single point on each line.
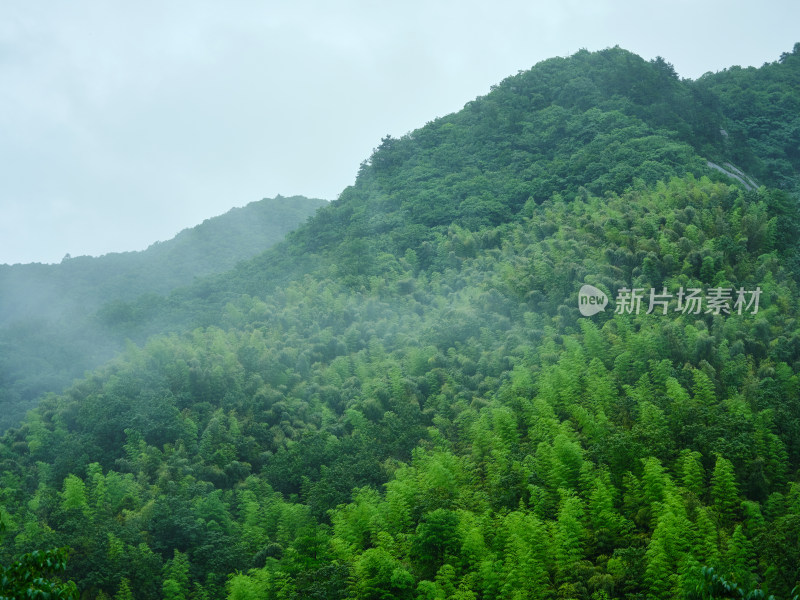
[402, 399]
[59, 321]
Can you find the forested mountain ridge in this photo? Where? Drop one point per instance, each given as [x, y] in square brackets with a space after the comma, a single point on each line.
[54, 319]
[418, 410]
[595, 122]
[592, 123]
[214, 246]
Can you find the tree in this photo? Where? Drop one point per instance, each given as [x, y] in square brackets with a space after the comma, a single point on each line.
[569, 536]
[380, 576]
[74, 495]
[435, 542]
[692, 472]
[176, 582]
[124, 592]
[724, 492]
[525, 566]
[739, 558]
[714, 587]
[34, 575]
[665, 552]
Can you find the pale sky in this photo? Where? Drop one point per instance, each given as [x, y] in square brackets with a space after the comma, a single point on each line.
[122, 123]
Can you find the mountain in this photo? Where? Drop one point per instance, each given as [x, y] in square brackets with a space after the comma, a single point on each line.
[404, 399]
[214, 246]
[50, 329]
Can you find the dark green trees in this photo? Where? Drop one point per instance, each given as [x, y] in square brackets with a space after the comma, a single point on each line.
[36, 575]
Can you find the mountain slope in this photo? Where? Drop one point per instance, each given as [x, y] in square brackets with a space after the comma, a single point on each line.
[594, 123]
[86, 283]
[50, 328]
[762, 117]
[403, 400]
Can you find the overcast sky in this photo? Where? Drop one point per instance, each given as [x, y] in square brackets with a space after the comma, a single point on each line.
[122, 123]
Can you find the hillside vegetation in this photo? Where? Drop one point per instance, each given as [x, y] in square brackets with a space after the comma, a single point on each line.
[402, 399]
[54, 319]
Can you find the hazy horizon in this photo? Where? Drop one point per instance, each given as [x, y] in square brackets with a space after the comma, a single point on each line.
[126, 124]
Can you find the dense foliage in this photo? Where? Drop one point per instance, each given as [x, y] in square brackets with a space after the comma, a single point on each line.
[31, 575]
[403, 401]
[762, 117]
